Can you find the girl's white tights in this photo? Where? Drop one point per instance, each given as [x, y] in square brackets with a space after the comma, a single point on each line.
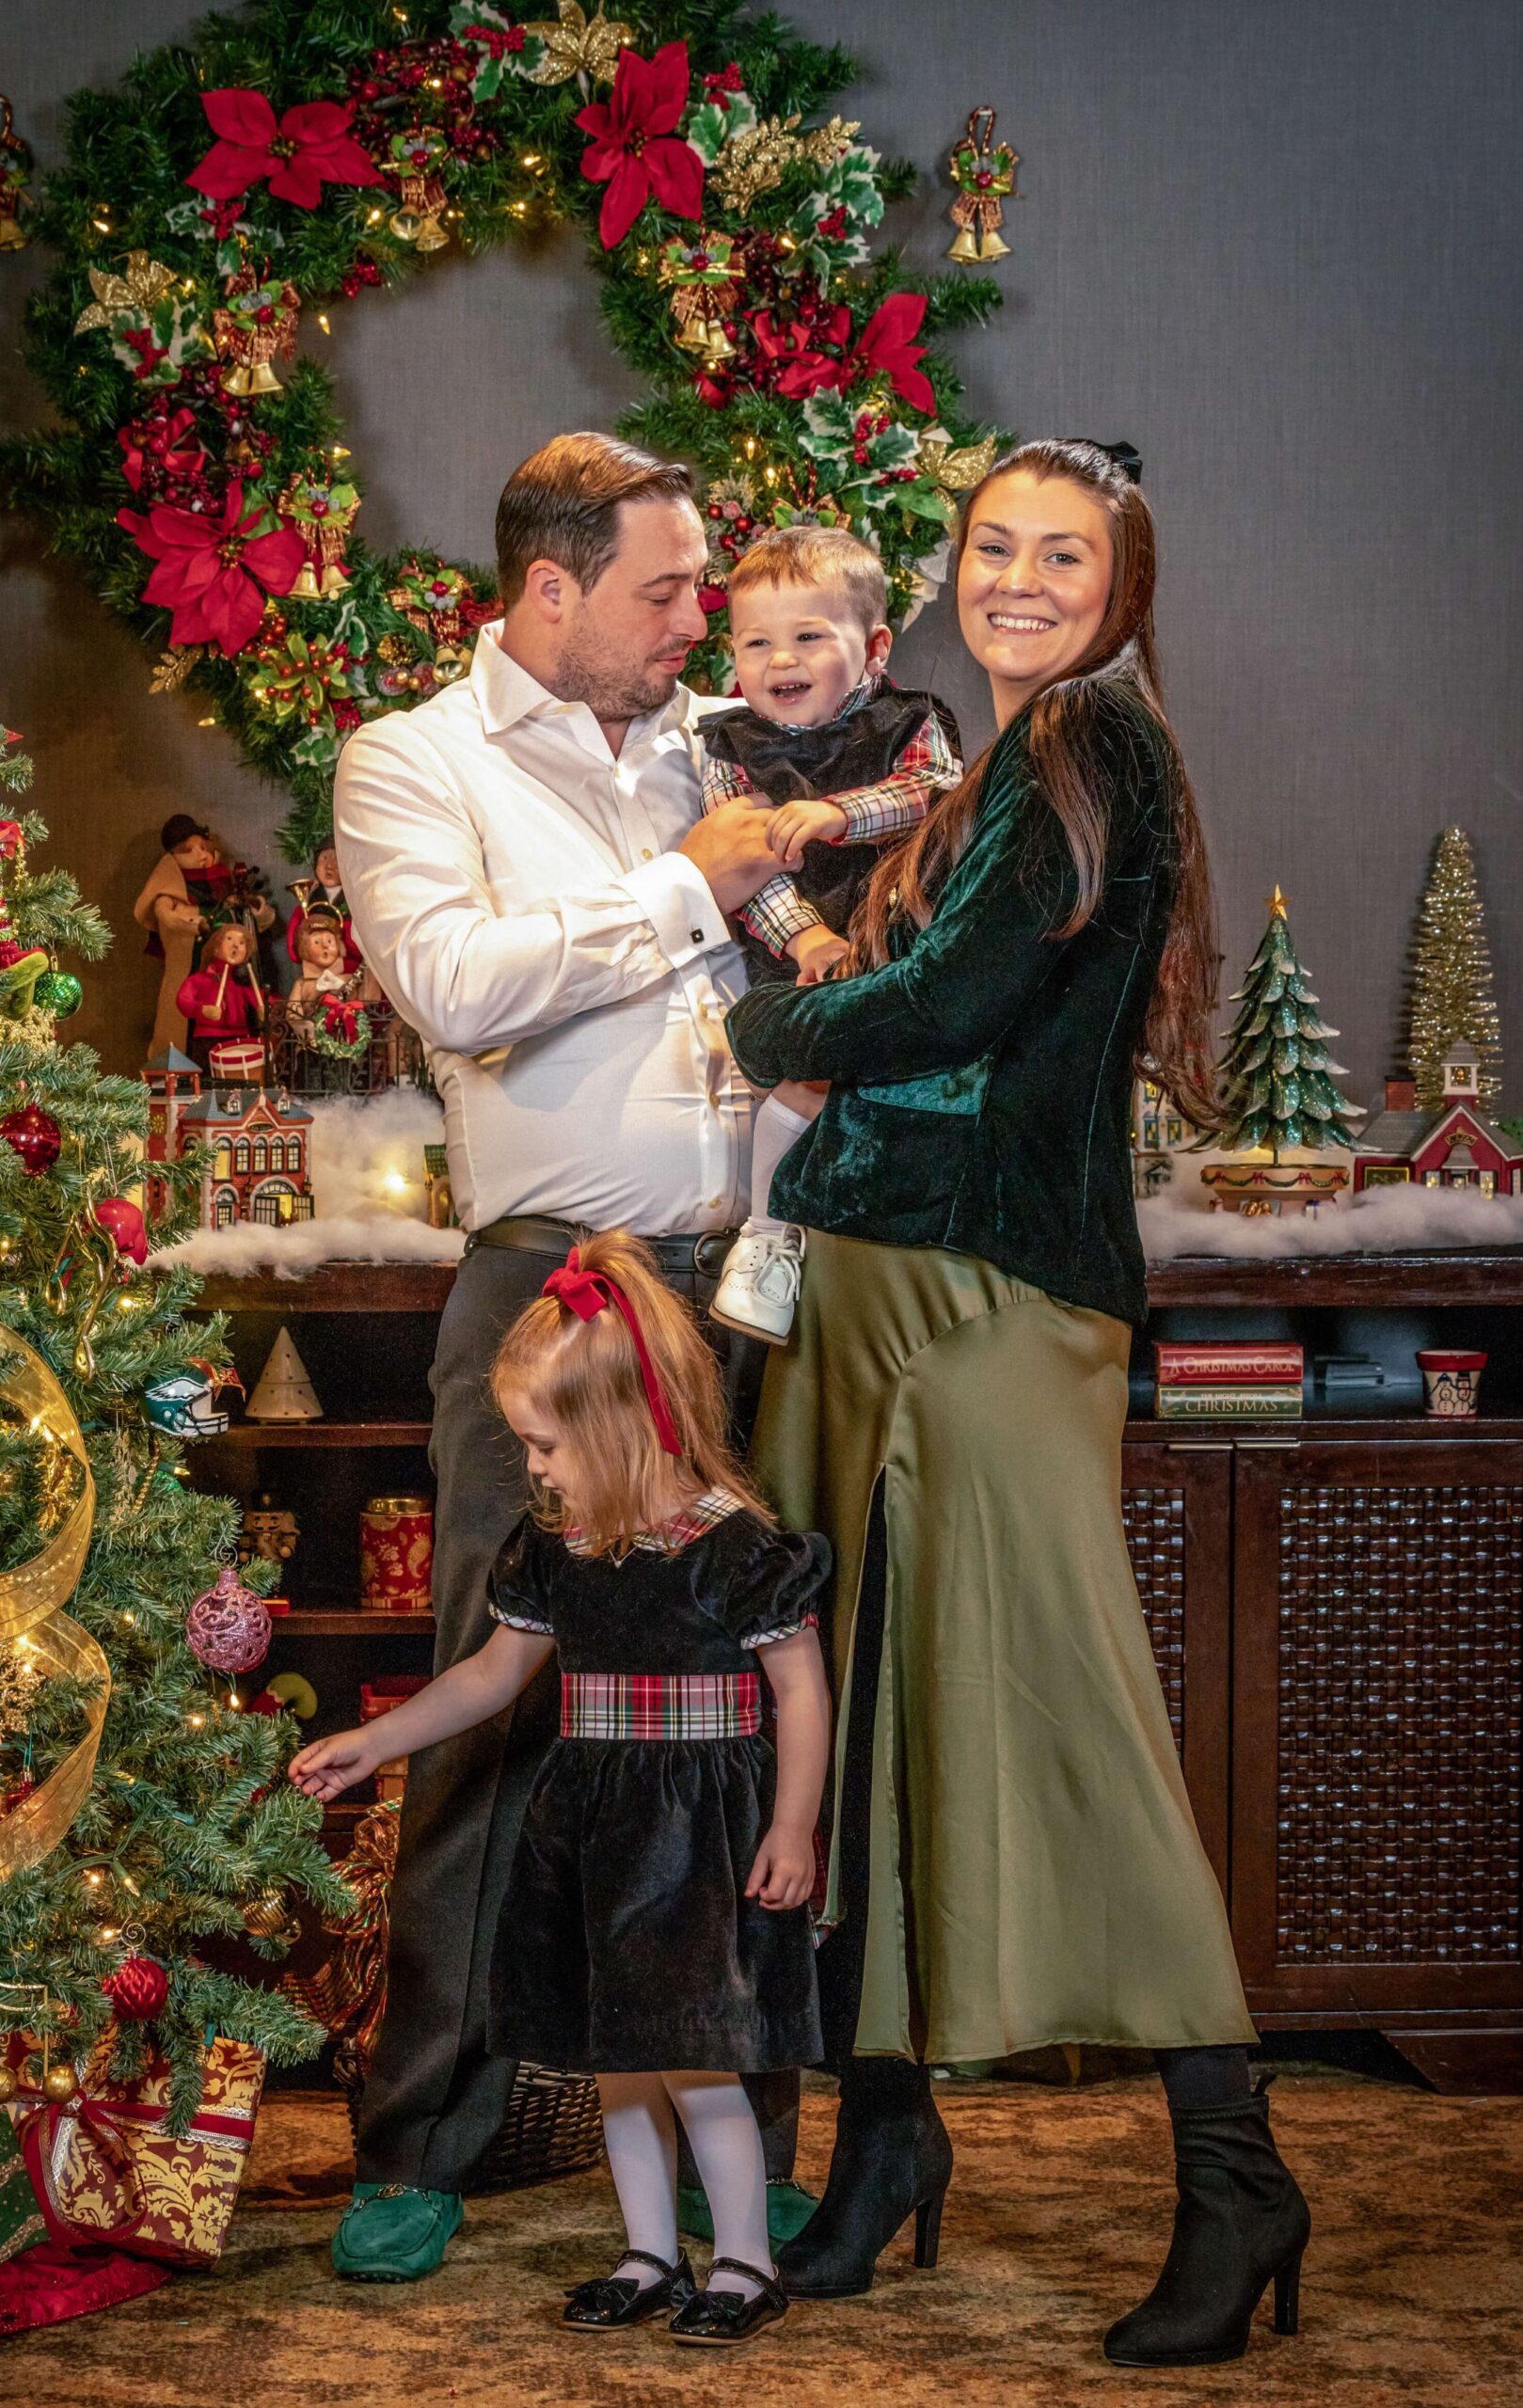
[778, 1124]
[726, 2147]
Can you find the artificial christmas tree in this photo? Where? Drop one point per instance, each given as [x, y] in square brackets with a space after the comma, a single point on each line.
[1452, 1002]
[184, 1819]
[1277, 1083]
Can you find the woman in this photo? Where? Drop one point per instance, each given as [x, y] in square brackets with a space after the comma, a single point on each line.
[1016, 1861]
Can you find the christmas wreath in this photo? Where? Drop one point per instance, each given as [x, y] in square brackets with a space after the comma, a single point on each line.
[295, 153]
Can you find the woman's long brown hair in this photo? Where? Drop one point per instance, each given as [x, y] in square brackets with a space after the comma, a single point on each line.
[1177, 1042]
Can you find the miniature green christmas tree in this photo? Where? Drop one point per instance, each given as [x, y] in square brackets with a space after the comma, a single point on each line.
[1276, 1075]
[1451, 999]
[188, 1829]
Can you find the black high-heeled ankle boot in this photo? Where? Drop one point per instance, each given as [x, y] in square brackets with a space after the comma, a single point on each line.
[893, 2160]
[1241, 2223]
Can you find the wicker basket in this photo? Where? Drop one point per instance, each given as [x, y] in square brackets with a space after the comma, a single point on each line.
[551, 2124]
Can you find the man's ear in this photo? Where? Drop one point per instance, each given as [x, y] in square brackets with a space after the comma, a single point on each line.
[549, 590]
[879, 645]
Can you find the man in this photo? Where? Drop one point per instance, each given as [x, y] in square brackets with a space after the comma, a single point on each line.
[533, 883]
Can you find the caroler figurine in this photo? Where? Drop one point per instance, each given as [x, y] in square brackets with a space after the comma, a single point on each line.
[224, 997]
[190, 886]
[324, 886]
[321, 952]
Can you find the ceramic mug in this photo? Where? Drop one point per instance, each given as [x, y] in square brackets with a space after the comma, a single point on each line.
[1451, 1382]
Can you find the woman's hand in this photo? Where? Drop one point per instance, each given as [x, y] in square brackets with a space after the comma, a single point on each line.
[331, 1765]
[784, 1873]
[793, 825]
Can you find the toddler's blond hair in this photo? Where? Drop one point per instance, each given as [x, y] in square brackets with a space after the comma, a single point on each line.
[826, 556]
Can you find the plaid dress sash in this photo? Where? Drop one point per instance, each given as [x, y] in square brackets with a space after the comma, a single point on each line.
[656, 1705]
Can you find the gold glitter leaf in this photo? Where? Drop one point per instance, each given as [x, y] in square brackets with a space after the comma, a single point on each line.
[578, 46]
[146, 281]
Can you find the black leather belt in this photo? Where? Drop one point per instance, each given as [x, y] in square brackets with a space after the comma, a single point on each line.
[703, 1251]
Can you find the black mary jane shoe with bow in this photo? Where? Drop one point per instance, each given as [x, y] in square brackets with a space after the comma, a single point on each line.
[615, 2300]
[717, 2320]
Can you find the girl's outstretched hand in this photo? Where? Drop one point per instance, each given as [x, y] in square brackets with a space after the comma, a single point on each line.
[784, 1873]
[331, 1765]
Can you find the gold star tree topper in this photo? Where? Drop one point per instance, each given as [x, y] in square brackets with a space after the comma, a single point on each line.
[579, 45]
[146, 281]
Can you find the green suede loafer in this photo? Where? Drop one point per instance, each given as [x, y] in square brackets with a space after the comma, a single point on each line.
[392, 2233]
[790, 2208]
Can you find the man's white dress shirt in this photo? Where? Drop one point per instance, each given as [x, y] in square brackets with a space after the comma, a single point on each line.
[515, 888]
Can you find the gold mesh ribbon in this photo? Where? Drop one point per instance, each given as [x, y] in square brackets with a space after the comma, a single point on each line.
[352, 1981]
[31, 1615]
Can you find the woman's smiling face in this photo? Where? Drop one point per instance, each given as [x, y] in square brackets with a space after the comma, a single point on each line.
[1033, 582]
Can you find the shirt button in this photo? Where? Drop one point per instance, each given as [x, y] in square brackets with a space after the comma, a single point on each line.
[645, 853]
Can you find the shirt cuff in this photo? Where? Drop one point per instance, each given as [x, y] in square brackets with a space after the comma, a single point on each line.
[678, 901]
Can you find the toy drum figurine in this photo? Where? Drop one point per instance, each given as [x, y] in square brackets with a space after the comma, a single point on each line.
[396, 1555]
[1451, 1382]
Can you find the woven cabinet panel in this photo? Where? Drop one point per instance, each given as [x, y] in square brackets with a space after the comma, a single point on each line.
[1397, 1792]
[1155, 1520]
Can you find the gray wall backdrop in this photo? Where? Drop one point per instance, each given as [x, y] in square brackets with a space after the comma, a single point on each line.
[1274, 244]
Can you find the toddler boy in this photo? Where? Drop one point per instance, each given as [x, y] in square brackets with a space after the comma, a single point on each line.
[851, 761]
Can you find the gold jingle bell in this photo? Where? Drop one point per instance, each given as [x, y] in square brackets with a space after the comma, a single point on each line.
[58, 2082]
[449, 664]
[334, 581]
[431, 235]
[307, 588]
[966, 248]
[260, 378]
[8, 2083]
[991, 247]
[406, 225]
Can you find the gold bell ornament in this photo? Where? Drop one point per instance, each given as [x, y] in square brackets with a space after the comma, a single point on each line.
[413, 161]
[704, 277]
[255, 326]
[984, 175]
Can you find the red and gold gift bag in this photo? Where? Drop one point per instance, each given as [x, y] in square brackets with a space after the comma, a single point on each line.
[106, 2168]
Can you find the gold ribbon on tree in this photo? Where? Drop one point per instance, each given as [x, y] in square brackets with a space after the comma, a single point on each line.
[31, 1610]
[352, 1982]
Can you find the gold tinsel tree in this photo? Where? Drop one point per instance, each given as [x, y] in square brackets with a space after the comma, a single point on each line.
[1451, 998]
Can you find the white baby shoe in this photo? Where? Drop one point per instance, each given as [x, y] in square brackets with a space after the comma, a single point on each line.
[759, 1287]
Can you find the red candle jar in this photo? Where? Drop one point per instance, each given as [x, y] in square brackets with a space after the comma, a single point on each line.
[396, 1555]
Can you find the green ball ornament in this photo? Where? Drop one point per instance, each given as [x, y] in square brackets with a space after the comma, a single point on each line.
[59, 993]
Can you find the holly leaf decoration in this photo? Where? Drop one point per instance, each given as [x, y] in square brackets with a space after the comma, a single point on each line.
[829, 425]
[710, 126]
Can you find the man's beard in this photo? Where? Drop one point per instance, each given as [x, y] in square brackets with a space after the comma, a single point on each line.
[587, 671]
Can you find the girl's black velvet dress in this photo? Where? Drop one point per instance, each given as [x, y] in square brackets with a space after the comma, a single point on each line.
[626, 1943]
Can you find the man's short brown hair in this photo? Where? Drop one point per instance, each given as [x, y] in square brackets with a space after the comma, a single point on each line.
[562, 504]
[827, 555]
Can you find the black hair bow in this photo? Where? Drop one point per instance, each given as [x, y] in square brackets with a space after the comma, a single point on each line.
[1126, 456]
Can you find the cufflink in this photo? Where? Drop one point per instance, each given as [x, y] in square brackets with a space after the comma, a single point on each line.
[697, 935]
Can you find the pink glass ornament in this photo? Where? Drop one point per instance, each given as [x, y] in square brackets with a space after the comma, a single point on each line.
[228, 1627]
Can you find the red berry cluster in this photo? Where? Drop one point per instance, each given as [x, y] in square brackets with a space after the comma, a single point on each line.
[222, 216]
[737, 525]
[360, 271]
[434, 77]
[502, 44]
[140, 340]
[719, 87]
[163, 454]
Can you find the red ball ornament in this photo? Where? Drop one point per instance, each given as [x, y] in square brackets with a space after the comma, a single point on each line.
[137, 1989]
[227, 1629]
[12, 839]
[124, 1223]
[35, 1136]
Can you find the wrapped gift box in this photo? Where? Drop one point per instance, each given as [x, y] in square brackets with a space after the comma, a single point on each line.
[106, 2168]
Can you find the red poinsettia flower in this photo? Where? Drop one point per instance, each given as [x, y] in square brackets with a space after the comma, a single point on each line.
[310, 146]
[214, 572]
[635, 149]
[886, 346]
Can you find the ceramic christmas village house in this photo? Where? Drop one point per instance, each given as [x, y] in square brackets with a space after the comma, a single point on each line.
[258, 1168]
[1454, 1146]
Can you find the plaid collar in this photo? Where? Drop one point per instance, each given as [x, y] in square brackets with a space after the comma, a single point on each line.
[705, 1513]
[859, 696]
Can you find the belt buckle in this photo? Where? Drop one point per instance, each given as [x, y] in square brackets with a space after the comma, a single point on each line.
[709, 1250]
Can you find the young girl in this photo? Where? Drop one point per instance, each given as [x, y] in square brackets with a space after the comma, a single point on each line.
[655, 1930]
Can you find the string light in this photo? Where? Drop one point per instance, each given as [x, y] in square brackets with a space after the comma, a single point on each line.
[196, 1721]
[323, 322]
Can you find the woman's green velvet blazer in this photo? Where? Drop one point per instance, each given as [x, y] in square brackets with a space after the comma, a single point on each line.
[981, 1082]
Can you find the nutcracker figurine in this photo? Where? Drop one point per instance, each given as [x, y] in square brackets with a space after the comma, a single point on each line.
[985, 178]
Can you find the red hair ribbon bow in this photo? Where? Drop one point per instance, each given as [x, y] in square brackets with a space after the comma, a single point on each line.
[586, 1293]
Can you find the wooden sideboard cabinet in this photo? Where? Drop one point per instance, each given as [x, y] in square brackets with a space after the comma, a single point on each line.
[1336, 1608]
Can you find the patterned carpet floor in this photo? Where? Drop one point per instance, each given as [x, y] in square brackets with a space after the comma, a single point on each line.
[1412, 2290]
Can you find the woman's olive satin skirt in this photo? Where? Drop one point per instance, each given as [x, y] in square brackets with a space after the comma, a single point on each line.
[1033, 1873]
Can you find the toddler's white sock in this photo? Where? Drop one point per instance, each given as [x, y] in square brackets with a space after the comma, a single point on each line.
[726, 2147]
[643, 2155]
[776, 1127]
